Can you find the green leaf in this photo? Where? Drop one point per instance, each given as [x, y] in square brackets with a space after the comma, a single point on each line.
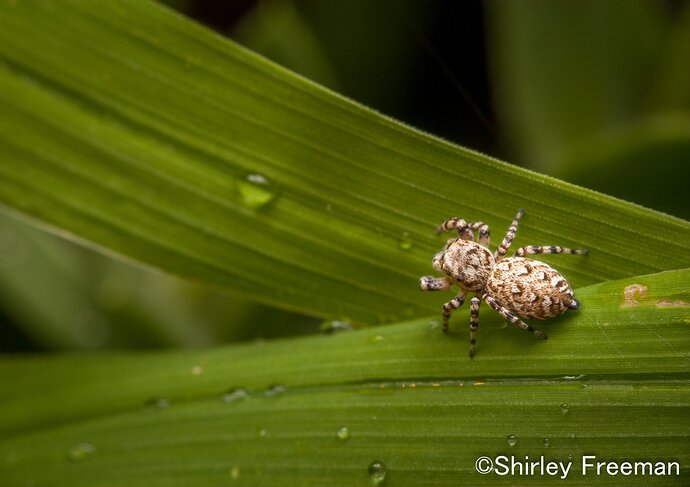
[131, 128]
[611, 381]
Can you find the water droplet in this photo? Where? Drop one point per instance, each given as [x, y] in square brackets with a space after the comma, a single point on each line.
[263, 432]
[375, 338]
[343, 433]
[275, 390]
[547, 442]
[574, 377]
[377, 473]
[81, 451]
[565, 408]
[256, 179]
[235, 473]
[256, 191]
[405, 242]
[158, 403]
[236, 394]
[334, 326]
[512, 440]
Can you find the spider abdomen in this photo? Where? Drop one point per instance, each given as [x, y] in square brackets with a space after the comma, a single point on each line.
[530, 288]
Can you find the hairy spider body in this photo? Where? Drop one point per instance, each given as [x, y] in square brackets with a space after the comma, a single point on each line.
[530, 288]
[466, 261]
[513, 286]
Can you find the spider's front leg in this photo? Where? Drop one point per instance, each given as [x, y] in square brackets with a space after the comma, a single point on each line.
[465, 229]
[451, 306]
[474, 322]
[484, 235]
[430, 283]
[511, 317]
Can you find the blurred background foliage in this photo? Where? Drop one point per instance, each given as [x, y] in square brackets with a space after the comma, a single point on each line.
[595, 93]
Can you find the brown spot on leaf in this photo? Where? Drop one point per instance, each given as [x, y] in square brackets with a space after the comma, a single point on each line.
[667, 303]
[633, 293]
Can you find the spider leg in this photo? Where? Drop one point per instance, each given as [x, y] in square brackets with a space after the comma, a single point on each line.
[511, 317]
[451, 306]
[484, 234]
[465, 229]
[430, 283]
[508, 239]
[553, 249]
[474, 322]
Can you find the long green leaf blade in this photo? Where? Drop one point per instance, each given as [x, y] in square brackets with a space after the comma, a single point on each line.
[610, 381]
[135, 129]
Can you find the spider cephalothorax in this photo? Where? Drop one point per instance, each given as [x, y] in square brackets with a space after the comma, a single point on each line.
[513, 286]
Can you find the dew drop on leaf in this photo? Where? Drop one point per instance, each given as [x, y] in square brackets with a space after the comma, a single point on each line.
[236, 394]
[275, 390]
[376, 338]
[256, 191]
[81, 451]
[343, 433]
[405, 242]
[377, 472]
[335, 326]
[157, 403]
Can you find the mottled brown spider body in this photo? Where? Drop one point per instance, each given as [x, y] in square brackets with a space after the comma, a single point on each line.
[513, 286]
[530, 288]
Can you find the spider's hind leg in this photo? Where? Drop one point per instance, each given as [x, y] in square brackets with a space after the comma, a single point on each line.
[552, 249]
[511, 317]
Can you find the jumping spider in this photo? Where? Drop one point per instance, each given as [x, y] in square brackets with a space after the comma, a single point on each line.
[513, 286]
